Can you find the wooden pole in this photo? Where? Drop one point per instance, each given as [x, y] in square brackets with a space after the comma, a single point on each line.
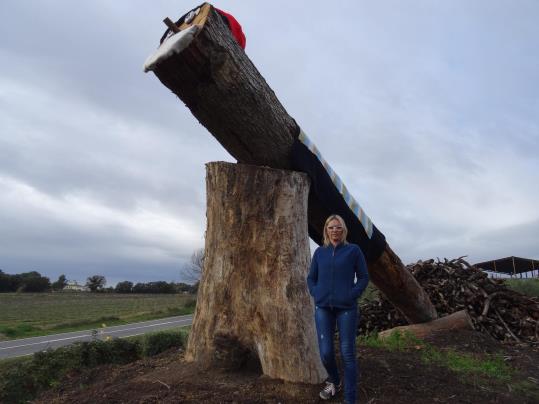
[173, 27]
[223, 89]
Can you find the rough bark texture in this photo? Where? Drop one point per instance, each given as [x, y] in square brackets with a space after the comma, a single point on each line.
[223, 89]
[459, 320]
[401, 288]
[253, 300]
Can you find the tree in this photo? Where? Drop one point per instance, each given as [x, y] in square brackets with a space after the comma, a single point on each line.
[124, 287]
[61, 283]
[192, 270]
[96, 283]
[25, 282]
[33, 282]
[7, 283]
[140, 288]
[162, 287]
[182, 287]
[154, 287]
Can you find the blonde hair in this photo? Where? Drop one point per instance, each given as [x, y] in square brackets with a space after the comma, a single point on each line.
[327, 241]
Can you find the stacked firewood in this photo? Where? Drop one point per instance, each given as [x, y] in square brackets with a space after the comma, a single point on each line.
[454, 285]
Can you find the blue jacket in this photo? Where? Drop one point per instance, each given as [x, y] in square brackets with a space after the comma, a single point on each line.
[331, 277]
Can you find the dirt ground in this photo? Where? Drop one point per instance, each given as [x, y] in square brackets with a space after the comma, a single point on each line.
[385, 377]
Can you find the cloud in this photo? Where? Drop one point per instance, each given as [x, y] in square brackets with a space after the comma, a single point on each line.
[77, 229]
[427, 111]
[85, 189]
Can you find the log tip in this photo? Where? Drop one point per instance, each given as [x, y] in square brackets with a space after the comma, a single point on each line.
[172, 45]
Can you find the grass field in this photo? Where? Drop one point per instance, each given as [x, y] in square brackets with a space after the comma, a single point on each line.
[528, 287]
[32, 314]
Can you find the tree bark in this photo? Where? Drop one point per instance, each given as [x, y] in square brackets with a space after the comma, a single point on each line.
[223, 89]
[459, 320]
[252, 299]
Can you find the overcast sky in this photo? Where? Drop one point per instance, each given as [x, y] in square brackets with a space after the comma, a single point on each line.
[428, 110]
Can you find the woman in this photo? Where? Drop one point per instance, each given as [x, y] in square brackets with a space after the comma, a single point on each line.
[331, 282]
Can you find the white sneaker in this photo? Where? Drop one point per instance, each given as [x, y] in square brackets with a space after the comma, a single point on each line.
[329, 391]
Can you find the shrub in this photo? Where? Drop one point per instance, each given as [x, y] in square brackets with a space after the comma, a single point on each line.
[116, 351]
[23, 379]
[159, 342]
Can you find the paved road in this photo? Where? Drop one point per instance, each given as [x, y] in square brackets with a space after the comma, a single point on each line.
[27, 346]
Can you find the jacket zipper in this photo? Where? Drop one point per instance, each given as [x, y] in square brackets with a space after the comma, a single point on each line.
[332, 277]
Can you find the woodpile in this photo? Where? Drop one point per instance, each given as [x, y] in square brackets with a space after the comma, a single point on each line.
[455, 285]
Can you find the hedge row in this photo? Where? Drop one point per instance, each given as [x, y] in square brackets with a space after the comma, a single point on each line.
[22, 380]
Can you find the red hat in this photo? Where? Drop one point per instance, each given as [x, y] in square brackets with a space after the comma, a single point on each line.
[235, 27]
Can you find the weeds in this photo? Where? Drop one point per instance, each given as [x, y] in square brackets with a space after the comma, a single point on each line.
[458, 362]
[370, 293]
[395, 342]
[16, 330]
[463, 363]
[23, 379]
[89, 322]
[528, 287]
[156, 343]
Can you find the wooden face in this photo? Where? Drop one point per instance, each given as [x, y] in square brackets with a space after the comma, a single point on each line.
[335, 231]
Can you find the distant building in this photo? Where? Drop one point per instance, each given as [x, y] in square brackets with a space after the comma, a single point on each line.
[74, 286]
[511, 267]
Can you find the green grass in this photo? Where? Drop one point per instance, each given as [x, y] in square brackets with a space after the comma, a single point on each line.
[370, 293]
[33, 314]
[458, 362]
[22, 379]
[395, 342]
[464, 363]
[528, 287]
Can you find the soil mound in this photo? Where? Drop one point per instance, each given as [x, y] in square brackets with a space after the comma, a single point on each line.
[385, 377]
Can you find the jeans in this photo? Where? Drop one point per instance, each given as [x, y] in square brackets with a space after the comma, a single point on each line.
[346, 320]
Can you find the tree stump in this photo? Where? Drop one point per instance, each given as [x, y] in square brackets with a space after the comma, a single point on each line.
[253, 299]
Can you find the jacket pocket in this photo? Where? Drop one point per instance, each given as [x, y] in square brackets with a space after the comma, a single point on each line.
[349, 297]
[320, 295]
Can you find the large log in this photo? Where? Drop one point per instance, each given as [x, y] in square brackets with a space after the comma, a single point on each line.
[216, 80]
[252, 298]
[459, 320]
